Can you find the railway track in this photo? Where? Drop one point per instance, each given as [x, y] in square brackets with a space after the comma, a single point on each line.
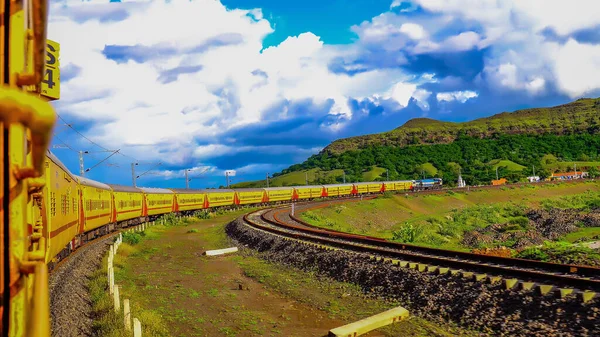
[580, 280]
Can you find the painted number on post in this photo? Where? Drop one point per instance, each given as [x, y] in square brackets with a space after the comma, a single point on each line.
[51, 81]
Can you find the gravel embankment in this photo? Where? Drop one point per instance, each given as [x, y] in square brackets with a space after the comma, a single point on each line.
[70, 304]
[480, 306]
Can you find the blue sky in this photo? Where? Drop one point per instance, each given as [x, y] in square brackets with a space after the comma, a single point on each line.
[256, 86]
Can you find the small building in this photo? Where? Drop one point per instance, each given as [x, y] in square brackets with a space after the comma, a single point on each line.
[569, 175]
[533, 179]
[501, 181]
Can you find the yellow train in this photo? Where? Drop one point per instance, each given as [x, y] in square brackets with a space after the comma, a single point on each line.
[48, 212]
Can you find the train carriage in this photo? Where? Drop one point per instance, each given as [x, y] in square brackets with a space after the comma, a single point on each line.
[158, 201]
[338, 190]
[188, 200]
[127, 203]
[275, 194]
[220, 197]
[400, 185]
[96, 201]
[309, 192]
[368, 187]
[250, 196]
[427, 184]
[61, 207]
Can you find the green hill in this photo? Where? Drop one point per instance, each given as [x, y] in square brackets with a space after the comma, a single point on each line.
[580, 116]
[315, 176]
[509, 165]
[545, 139]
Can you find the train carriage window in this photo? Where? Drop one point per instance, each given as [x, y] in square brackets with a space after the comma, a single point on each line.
[74, 205]
[52, 204]
[66, 204]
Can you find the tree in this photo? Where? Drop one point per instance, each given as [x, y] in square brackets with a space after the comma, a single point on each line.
[594, 172]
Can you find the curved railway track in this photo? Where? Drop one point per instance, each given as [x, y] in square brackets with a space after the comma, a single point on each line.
[281, 222]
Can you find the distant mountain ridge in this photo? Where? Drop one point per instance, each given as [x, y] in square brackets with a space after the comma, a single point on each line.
[576, 117]
[508, 144]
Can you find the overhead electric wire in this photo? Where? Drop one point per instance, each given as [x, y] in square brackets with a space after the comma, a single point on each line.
[65, 144]
[114, 152]
[91, 141]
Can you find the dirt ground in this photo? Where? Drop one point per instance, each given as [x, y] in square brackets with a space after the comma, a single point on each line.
[198, 295]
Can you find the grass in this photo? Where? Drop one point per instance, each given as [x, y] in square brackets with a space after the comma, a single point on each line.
[509, 165]
[109, 323]
[372, 174]
[562, 252]
[441, 220]
[191, 295]
[429, 169]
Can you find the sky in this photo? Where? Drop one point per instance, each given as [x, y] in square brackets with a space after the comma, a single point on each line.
[258, 85]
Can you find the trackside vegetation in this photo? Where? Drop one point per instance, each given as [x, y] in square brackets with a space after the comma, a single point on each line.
[549, 139]
[477, 159]
[528, 222]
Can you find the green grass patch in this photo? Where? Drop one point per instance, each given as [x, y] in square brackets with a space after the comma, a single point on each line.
[509, 165]
[562, 252]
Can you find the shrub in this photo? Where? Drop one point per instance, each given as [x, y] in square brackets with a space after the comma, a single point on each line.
[520, 221]
[408, 233]
[132, 238]
[204, 214]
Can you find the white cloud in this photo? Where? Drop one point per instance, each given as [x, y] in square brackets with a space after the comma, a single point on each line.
[521, 58]
[577, 68]
[224, 80]
[413, 30]
[195, 171]
[461, 96]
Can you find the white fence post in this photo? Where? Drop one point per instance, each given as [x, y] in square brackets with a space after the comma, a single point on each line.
[137, 328]
[112, 280]
[127, 314]
[116, 299]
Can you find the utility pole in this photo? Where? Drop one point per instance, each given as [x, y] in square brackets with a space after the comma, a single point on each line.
[344, 177]
[575, 167]
[387, 172]
[81, 171]
[267, 179]
[533, 170]
[227, 178]
[187, 181]
[133, 173]
[497, 173]
[306, 177]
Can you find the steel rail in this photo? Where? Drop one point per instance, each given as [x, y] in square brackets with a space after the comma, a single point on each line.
[445, 258]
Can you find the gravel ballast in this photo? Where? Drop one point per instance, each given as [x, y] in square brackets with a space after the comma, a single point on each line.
[476, 305]
[70, 304]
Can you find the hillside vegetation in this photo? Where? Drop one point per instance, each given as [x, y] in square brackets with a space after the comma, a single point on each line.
[566, 215]
[314, 176]
[581, 116]
[514, 144]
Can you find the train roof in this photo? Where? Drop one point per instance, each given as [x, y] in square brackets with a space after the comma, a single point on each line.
[57, 161]
[186, 191]
[154, 190]
[256, 189]
[282, 188]
[368, 182]
[89, 182]
[339, 185]
[309, 186]
[216, 190]
[399, 181]
[123, 188]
